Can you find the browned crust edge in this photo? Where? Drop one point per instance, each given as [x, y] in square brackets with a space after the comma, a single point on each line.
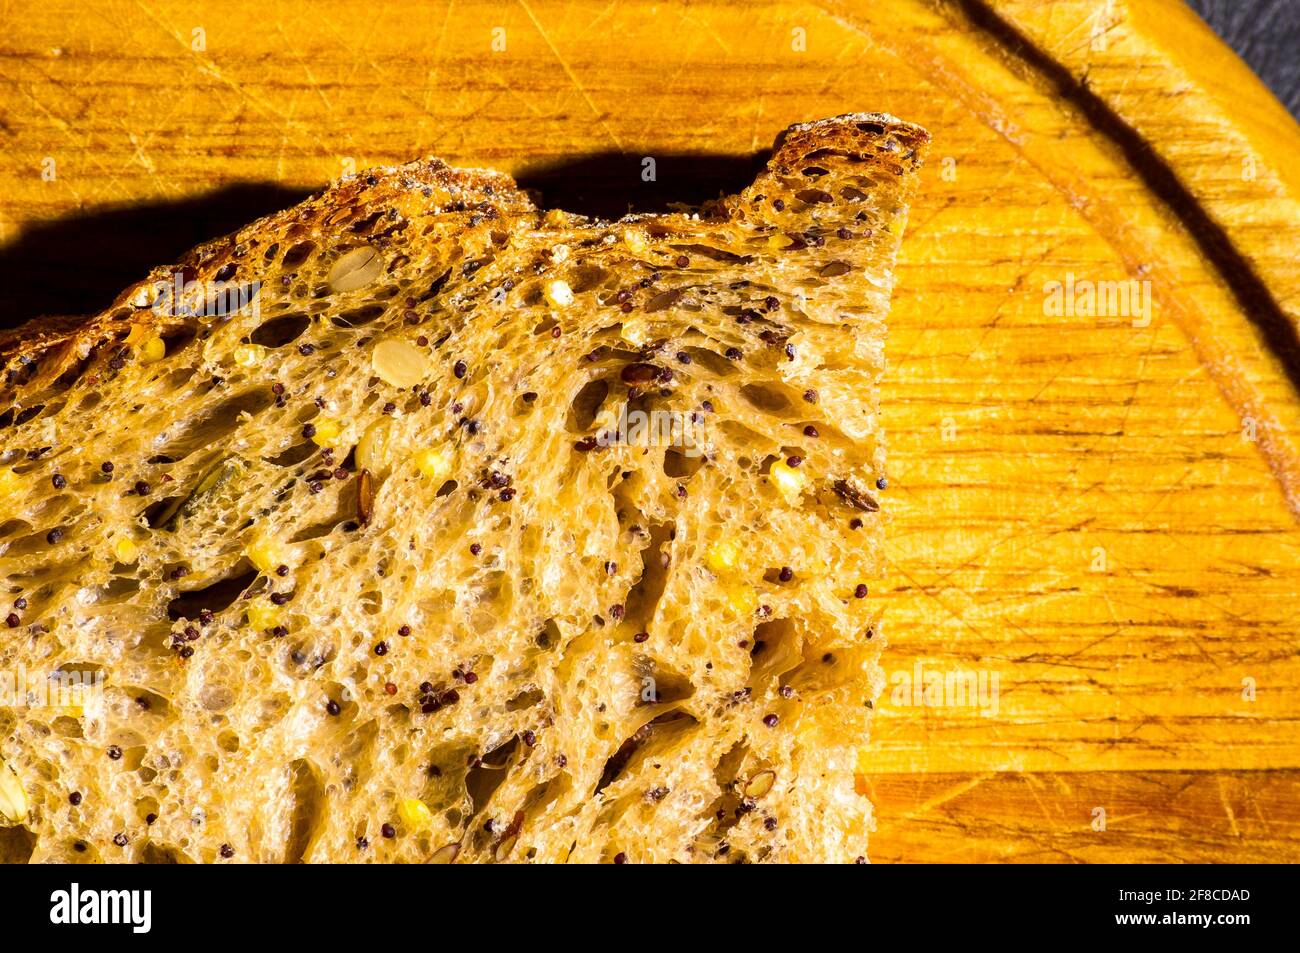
[78, 336]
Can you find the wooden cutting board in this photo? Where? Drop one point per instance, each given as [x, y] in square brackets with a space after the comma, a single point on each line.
[1095, 505]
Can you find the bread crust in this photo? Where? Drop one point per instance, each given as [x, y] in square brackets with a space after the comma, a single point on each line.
[43, 336]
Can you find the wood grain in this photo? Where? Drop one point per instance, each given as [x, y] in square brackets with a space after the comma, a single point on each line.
[1101, 513]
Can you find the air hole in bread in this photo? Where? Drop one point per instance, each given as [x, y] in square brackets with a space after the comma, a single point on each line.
[487, 773]
[215, 597]
[280, 331]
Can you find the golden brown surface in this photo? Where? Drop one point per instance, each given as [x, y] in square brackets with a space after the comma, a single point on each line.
[1066, 436]
[381, 563]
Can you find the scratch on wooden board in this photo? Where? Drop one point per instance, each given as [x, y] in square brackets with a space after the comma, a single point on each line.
[582, 90]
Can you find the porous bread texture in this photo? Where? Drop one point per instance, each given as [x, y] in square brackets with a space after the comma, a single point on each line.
[367, 563]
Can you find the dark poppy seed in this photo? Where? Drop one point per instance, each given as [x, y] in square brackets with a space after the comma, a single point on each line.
[794, 460]
[470, 678]
[74, 798]
[641, 637]
[114, 753]
[786, 574]
[404, 631]
[186, 652]
[426, 687]
[810, 395]
[333, 707]
[389, 407]
[459, 369]
[309, 430]
[620, 858]
[305, 349]
[616, 612]
[882, 483]
[855, 523]
[150, 818]
[530, 737]
[79, 847]
[381, 648]
[280, 598]
[682, 261]
[425, 398]
[20, 603]
[59, 481]
[506, 495]
[860, 591]
[733, 354]
[54, 535]
[12, 620]
[561, 760]
[389, 831]
[769, 823]
[778, 204]
[107, 466]
[770, 720]
[859, 859]
[340, 473]
[227, 851]
[475, 548]
[811, 431]
[362, 843]
[120, 840]
[787, 691]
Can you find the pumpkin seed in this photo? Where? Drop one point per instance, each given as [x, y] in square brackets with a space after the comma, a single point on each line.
[355, 269]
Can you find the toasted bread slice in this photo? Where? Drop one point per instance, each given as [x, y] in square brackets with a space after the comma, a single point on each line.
[414, 523]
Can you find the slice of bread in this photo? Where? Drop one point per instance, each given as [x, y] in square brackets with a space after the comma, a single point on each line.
[450, 529]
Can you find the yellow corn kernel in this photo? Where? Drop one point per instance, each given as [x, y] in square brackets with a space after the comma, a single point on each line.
[267, 554]
[125, 550]
[742, 599]
[263, 615]
[723, 555]
[789, 481]
[558, 293]
[249, 355]
[328, 431]
[779, 240]
[415, 814]
[433, 463]
[152, 350]
[634, 238]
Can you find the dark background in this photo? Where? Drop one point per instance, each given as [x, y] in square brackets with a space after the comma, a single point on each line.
[1266, 34]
